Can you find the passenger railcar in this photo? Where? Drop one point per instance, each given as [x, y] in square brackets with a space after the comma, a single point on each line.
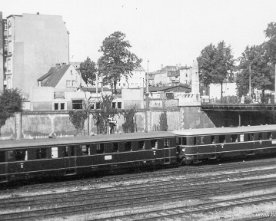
[214, 143]
[78, 155]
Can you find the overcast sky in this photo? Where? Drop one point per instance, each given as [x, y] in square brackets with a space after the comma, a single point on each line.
[167, 32]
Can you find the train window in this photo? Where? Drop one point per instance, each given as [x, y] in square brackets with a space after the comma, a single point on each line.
[251, 136]
[153, 144]
[259, 136]
[206, 139]
[269, 135]
[198, 140]
[167, 142]
[184, 141]
[20, 155]
[213, 140]
[10, 155]
[2, 156]
[100, 148]
[141, 145]
[41, 153]
[242, 137]
[234, 138]
[202, 140]
[178, 140]
[85, 150]
[54, 152]
[222, 139]
[128, 146]
[115, 147]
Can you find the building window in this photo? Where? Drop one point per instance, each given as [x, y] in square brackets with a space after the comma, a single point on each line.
[74, 83]
[113, 104]
[76, 104]
[56, 106]
[119, 104]
[59, 106]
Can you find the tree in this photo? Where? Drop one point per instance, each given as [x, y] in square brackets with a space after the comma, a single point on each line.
[10, 103]
[216, 64]
[256, 58]
[270, 45]
[129, 126]
[103, 115]
[77, 118]
[117, 60]
[163, 122]
[88, 71]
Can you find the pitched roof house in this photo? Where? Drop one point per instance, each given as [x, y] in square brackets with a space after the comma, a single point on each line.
[58, 89]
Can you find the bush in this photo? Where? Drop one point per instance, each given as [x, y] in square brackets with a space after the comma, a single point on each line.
[10, 103]
[163, 122]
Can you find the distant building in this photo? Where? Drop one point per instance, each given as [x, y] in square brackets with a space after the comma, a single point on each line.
[171, 76]
[58, 89]
[136, 80]
[32, 44]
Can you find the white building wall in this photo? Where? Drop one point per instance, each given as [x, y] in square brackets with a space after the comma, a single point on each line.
[229, 89]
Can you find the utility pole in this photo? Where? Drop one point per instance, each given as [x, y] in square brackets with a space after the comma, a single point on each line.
[250, 89]
[147, 98]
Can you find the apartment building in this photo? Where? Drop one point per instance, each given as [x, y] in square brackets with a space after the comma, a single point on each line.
[32, 43]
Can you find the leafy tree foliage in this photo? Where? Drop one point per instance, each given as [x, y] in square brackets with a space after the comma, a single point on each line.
[88, 71]
[270, 45]
[163, 122]
[77, 118]
[257, 58]
[117, 60]
[106, 111]
[129, 125]
[216, 64]
[10, 102]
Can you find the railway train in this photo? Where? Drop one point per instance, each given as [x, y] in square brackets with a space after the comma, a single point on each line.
[26, 159]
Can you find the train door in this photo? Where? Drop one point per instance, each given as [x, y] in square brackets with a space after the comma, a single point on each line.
[70, 159]
[167, 151]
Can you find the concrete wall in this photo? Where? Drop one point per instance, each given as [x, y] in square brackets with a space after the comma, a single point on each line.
[42, 124]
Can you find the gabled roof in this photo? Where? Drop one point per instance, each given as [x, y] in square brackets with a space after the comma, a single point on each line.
[54, 75]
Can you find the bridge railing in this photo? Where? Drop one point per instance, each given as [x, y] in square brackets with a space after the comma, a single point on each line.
[267, 100]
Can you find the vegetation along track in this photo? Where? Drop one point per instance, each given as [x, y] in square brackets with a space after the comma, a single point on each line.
[143, 191]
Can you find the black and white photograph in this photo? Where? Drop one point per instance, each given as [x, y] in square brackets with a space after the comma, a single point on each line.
[137, 110]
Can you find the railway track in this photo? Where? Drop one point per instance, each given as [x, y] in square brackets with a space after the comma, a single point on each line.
[149, 191]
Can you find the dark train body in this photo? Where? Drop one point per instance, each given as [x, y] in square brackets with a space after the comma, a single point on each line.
[24, 159]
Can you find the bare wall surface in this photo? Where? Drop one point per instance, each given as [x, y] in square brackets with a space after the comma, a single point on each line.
[43, 124]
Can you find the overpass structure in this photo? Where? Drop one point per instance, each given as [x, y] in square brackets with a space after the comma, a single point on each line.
[238, 109]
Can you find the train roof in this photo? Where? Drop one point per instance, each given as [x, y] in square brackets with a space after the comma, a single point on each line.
[82, 139]
[225, 130]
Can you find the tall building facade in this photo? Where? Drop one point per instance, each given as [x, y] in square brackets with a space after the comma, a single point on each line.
[32, 44]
